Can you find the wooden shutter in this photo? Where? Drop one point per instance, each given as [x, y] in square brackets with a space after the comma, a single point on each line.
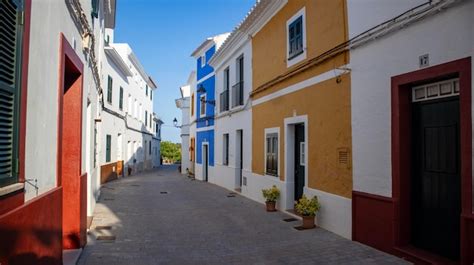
[11, 31]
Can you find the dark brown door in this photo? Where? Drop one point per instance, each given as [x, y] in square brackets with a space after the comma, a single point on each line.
[299, 164]
[436, 181]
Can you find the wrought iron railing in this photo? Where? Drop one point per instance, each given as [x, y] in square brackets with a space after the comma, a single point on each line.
[238, 94]
[224, 101]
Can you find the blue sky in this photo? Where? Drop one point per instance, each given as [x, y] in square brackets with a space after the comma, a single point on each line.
[164, 33]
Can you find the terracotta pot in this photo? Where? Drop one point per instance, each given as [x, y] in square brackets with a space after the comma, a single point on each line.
[270, 206]
[308, 222]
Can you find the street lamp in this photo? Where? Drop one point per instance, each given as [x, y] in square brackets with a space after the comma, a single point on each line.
[175, 123]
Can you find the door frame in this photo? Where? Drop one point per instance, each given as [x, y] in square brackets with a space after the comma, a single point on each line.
[205, 166]
[401, 145]
[239, 157]
[289, 156]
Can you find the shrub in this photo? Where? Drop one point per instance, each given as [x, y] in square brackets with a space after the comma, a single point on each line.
[307, 207]
[272, 194]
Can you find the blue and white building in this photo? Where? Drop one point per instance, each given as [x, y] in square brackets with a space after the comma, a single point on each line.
[203, 104]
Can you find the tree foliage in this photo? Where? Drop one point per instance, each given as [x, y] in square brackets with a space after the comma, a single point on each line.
[171, 151]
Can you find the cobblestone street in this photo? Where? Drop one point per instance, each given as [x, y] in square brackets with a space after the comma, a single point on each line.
[161, 217]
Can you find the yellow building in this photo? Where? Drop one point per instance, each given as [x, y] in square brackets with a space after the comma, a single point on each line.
[301, 119]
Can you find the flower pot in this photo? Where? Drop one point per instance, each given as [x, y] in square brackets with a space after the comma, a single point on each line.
[270, 206]
[308, 222]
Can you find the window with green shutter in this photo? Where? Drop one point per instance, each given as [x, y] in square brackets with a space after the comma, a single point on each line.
[109, 90]
[146, 118]
[151, 94]
[108, 146]
[121, 99]
[95, 8]
[146, 90]
[11, 33]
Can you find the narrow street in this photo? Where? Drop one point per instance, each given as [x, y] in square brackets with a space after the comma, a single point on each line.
[161, 217]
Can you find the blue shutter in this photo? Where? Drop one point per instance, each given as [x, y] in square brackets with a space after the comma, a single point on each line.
[11, 32]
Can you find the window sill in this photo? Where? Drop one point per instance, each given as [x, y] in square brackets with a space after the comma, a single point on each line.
[11, 188]
[293, 56]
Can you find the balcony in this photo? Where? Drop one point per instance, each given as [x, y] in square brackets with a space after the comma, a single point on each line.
[224, 101]
[238, 94]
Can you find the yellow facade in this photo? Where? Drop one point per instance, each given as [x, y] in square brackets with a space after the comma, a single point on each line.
[326, 104]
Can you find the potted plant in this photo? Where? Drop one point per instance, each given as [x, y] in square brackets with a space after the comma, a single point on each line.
[271, 196]
[308, 208]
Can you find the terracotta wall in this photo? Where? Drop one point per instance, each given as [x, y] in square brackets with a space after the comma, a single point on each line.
[111, 171]
[325, 28]
[32, 233]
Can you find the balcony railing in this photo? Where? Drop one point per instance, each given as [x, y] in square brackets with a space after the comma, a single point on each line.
[224, 101]
[238, 94]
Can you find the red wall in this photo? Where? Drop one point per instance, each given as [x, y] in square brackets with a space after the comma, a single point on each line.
[31, 234]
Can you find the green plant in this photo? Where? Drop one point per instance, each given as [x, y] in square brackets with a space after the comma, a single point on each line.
[308, 207]
[171, 151]
[272, 194]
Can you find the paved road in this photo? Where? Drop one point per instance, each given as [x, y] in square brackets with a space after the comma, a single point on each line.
[196, 223]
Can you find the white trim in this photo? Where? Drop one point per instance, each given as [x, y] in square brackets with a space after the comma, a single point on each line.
[200, 105]
[301, 85]
[206, 77]
[271, 131]
[302, 56]
[204, 129]
[203, 60]
[290, 156]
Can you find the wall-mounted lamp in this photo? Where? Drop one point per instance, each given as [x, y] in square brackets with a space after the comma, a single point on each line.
[175, 123]
[202, 90]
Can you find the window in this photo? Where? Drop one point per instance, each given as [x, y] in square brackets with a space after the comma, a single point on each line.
[140, 112]
[109, 90]
[146, 90]
[238, 88]
[271, 154]
[296, 34]
[192, 104]
[225, 159]
[151, 94]
[302, 154]
[224, 98]
[121, 99]
[135, 109]
[146, 118]
[108, 147]
[95, 145]
[95, 8]
[203, 60]
[10, 47]
[149, 147]
[151, 122]
[203, 105]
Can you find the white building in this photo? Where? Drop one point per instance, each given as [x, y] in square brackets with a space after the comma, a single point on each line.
[183, 104]
[233, 119]
[127, 126]
[411, 81]
[156, 143]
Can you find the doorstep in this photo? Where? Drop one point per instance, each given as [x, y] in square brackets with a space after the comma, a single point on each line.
[71, 256]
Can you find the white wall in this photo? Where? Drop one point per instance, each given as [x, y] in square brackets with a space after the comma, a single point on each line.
[48, 20]
[238, 118]
[446, 36]
[365, 14]
[134, 129]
